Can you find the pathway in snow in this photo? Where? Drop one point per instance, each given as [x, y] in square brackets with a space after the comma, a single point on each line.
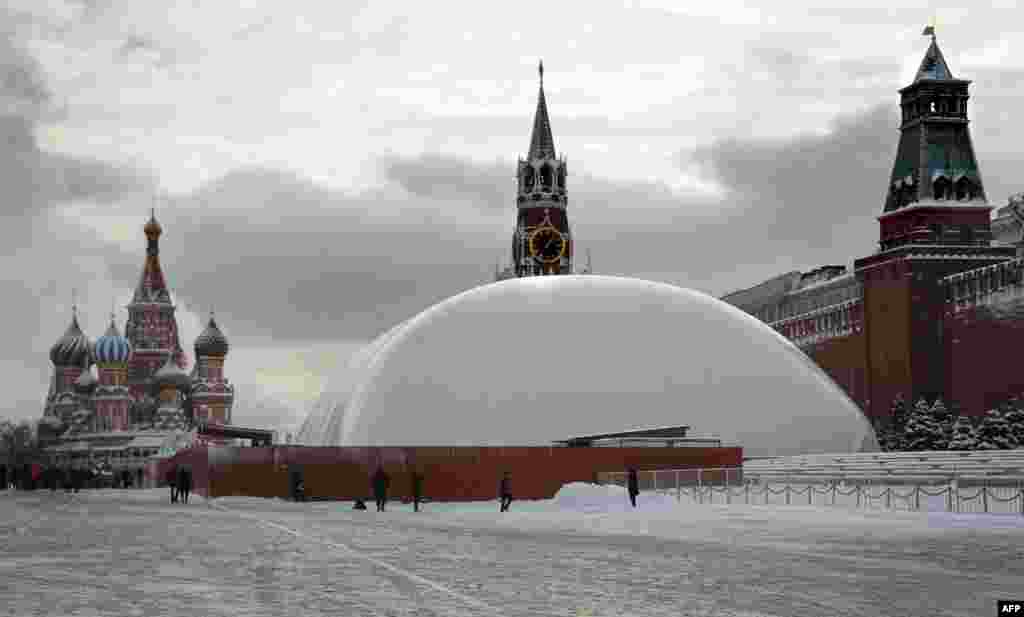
[131, 552]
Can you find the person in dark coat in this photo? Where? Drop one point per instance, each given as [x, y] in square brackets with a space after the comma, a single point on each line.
[380, 488]
[172, 481]
[633, 486]
[417, 490]
[505, 491]
[188, 484]
[184, 484]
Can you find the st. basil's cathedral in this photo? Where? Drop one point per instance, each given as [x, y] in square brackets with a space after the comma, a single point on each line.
[127, 396]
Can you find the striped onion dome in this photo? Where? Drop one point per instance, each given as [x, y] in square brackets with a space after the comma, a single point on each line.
[212, 341]
[171, 375]
[72, 349]
[112, 348]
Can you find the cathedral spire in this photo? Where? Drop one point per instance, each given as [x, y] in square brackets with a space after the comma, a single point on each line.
[152, 287]
[542, 144]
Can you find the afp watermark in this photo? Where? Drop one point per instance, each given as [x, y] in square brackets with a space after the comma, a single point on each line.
[1010, 607]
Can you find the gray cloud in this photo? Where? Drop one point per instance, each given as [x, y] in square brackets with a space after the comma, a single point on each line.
[44, 255]
[818, 193]
[442, 177]
[280, 254]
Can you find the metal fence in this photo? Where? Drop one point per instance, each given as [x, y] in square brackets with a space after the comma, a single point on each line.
[730, 486]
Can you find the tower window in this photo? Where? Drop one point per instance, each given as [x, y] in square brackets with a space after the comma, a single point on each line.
[546, 176]
[941, 188]
[964, 189]
[931, 106]
[528, 177]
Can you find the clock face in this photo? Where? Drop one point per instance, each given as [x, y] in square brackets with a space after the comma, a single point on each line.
[547, 245]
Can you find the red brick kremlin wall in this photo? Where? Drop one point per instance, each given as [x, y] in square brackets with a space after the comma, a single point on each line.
[450, 473]
[983, 347]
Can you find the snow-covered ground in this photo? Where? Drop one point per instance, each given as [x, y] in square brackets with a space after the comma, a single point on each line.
[586, 552]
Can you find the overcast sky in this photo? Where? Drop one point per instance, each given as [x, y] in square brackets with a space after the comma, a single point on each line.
[324, 170]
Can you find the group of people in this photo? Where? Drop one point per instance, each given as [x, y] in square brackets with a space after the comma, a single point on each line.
[180, 481]
[381, 481]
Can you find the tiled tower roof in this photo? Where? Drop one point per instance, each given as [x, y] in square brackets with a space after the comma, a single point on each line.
[542, 144]
[933, 65]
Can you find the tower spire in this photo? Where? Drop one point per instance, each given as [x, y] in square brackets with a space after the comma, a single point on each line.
[933, 65]
[542, 144]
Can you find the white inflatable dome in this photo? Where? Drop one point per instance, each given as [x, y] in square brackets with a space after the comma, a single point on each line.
[322, 426]
[533, 360]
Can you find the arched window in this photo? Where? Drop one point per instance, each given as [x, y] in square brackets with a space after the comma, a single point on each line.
[561, 177]
[528, 178]
[546, 176]
[941, 188]
[964, 189]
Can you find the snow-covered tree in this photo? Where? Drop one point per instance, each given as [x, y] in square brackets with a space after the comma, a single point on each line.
[890, 430]
[994, 432]
[944, 419]
[1014, 416]
[888, 438]
[964, 435]
[922, 431]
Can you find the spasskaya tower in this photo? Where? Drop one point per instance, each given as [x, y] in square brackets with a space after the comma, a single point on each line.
[541, 242]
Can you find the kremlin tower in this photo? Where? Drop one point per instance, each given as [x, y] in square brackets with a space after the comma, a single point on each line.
[541, 243]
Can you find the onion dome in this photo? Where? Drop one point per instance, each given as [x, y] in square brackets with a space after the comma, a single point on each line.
[152, 229]
[112, 348]
[86, 382]
[212, 341]
[171, 375]
[72, 349]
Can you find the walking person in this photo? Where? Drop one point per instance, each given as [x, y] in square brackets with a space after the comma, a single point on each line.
[380, 488]
[634, 486]
[417, 490]
[188, 484]
[172, 482]
[183, 484]
[505, 491]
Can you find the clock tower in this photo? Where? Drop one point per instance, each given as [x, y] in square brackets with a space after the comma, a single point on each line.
[541, 242]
